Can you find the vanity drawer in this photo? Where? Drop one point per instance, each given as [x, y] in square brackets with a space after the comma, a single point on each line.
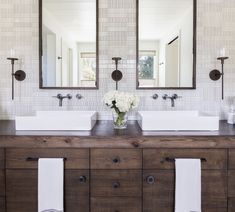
[155, 158]
[116, 204]
[116, 183]
[116, 159]
[75, 158]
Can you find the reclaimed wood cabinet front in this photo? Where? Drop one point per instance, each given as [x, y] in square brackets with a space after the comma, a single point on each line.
[22, 178]
[2, 181]
[117, 180]
[159, 178]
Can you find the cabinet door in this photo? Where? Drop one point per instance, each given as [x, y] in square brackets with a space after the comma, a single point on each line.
[21, 190]
[158, 191]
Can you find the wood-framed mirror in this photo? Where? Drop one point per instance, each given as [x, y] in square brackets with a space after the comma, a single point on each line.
[68, 44]
[166, 44]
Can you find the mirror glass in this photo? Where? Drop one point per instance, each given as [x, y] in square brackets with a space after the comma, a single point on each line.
[68, 44]
[165, 44]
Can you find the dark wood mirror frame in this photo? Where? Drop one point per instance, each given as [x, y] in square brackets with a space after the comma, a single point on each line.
[194, 52]
[41, 53]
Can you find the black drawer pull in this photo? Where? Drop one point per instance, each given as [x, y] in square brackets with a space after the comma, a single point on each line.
[116, 160]
[82, 179]
[168, 159]
[36, 159]
[116, 185]
[150, 180]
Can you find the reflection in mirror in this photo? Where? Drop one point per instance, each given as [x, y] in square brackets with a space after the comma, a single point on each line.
[165, 44]
[69, 44]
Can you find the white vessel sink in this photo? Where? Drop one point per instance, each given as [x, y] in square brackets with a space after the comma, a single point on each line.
[177, 120]
[57, 120]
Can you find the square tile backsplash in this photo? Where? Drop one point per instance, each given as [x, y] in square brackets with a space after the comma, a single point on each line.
[117, 37]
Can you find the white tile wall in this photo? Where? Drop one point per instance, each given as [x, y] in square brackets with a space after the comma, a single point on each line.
[19, 30]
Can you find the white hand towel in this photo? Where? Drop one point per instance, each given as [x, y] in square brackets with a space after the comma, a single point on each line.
[188, 185]
[51, 185]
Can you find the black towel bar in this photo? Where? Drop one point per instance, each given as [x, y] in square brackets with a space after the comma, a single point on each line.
[168, 159]
[36, 159]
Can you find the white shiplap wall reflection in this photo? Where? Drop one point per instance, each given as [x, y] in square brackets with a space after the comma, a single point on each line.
[19, 30]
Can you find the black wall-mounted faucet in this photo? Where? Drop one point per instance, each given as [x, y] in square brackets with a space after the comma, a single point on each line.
[61, 98]
[172, 98]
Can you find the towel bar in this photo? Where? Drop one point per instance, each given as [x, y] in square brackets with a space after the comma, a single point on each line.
[36, 159]
[168, 159]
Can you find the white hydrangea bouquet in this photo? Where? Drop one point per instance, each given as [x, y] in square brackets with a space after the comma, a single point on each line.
[121, 103]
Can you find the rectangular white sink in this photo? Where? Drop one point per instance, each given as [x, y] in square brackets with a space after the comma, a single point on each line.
[57, 120]
[177, 120]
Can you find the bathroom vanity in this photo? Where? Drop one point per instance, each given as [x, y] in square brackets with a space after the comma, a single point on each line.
[116, 171]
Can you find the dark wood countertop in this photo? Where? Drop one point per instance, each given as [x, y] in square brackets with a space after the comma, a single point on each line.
[104, 136]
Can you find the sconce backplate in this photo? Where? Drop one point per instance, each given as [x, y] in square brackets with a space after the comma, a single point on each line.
[20, 75]
[215, 75]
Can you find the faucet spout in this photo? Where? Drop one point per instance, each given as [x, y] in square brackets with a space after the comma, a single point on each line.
[172, 102]
[172, 98]
[61, 98]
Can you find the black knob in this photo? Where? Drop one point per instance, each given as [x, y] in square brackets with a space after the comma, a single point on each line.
[116, 185]
[116, 160]
[82, 179]
[150, 179]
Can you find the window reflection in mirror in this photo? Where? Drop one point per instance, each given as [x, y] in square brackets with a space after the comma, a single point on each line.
[165, 44]
[69, 44]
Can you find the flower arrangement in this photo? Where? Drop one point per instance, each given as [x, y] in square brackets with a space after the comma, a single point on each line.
[121, 103]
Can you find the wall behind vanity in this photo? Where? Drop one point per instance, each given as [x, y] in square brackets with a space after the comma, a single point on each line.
[19, 30]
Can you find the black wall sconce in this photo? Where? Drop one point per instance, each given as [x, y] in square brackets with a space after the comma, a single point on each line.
[18, 75]
[116, 75]
[216, 74]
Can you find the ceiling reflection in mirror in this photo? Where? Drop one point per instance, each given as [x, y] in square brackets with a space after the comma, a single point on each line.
[69, 44]
[165, 44]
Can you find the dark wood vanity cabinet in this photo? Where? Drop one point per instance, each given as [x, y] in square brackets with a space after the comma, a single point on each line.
[22, 178]
[231, 181]
[2, 181]
[159, 179]
[118, 180]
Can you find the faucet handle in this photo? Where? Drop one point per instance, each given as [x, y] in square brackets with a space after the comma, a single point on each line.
[176, 96]
[155, 96]
[69, 96]
[165, 96]
[58, 96]
[79, 96]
